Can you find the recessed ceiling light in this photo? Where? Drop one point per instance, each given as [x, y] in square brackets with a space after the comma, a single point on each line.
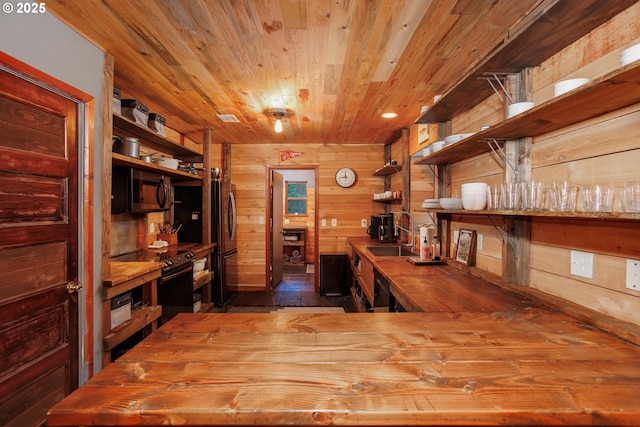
[389, 115]
[228, 118]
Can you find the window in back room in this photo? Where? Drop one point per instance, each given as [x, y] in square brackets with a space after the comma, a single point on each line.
[296, 197]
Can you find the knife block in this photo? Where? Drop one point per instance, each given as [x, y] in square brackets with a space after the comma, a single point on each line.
[171, 239]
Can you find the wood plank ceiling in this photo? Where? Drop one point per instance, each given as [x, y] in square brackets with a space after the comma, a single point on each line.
[333, 65]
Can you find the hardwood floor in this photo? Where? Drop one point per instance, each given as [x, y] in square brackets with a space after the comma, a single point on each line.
[295, 290]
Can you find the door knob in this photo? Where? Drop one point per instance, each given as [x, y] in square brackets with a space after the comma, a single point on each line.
[73, 287]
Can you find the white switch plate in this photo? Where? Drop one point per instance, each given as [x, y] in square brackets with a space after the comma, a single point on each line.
[363, 222]
[479, 241]
[151, 227]
[633, 274]
[287, 220]
[582, 264]
[323, 223]
[456, 233]
[261, 220]
[334, 222]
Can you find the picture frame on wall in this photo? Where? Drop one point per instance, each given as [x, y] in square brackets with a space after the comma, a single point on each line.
[466, 247]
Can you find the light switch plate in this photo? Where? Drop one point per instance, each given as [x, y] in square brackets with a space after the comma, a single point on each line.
[633, 275]
[479, 241]
[582, 264]
[363, 222]
[323, 223]
[334, 222]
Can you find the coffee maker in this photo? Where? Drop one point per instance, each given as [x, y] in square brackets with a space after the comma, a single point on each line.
[386, 229]
[374, 229]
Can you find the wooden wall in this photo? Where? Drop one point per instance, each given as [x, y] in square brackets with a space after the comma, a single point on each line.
[603, 150]
[348, 206]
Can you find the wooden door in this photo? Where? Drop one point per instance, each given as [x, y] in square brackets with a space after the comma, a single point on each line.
[38, 250]
[277, 213]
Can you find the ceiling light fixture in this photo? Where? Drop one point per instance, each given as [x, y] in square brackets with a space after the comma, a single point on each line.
[278, 126]
[389, 115]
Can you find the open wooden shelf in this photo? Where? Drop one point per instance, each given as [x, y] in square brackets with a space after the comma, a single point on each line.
[124, 127]
[549, 28]
[623, 216]
[122, 160]
[140, 318]
[388, 170]
[610, 92]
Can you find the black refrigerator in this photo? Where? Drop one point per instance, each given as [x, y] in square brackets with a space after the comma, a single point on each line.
[188, 211]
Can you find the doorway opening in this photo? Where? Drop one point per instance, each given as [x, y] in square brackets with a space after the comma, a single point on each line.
[293, 212]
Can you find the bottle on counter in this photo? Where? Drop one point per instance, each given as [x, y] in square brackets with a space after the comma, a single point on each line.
[425, 249]
[435, 248]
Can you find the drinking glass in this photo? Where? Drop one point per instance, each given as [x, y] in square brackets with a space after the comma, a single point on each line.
[531, 196]
[562, 197]
[494, 197]
[597, 198]
[511, 195]
[630, 197]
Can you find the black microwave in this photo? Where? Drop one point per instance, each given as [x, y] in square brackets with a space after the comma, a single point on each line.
[138, 191]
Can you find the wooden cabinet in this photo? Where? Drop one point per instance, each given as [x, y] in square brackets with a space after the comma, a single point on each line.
[293, 245]
[139, 279]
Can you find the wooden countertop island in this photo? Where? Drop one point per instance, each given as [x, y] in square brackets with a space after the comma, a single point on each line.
[526, 367]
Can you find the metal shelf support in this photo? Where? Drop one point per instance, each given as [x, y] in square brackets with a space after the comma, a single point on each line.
[501, 154]
[490, 77]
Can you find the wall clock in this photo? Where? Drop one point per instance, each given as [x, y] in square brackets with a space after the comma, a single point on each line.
[346, 177]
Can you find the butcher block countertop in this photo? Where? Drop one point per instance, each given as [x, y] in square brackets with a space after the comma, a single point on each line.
[472, 358]
[527, 367]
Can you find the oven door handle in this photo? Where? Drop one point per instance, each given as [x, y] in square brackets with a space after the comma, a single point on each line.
[173, 274]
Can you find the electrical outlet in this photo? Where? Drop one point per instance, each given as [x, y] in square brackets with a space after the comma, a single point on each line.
[456, 234]
[633, 274]
[363, 222]
[334, 222]
[151, 227]
[261, 220]
[582, 264]
[479, 241]
[287, 221]
[323, 223]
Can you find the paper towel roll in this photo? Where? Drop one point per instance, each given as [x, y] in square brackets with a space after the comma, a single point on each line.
[424, 232]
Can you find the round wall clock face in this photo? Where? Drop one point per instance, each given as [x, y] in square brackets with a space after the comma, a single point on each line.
[345, 177]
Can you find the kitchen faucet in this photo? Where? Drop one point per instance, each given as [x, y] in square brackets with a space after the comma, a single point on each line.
[411, 231]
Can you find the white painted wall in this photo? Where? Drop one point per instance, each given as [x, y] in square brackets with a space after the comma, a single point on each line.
[45, 43]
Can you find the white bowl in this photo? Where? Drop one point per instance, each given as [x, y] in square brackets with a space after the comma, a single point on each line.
[568, 85]
[437, 146]
[519, 107]
[167, 162]
[426, 151]
[451, 203]
[479, 186]
[630, 55]
[198, 265]
[474, 202]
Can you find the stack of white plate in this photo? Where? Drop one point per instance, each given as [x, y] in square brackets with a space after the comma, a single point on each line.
[437, 146]
[474, 196]
[567, 85]
[431, 204]
[630, 55]
[451, 203]
[451, 139]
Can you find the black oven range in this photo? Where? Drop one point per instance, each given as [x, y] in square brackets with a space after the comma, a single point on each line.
[175, 286]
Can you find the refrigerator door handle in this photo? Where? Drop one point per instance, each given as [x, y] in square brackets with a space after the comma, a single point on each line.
[231, 216]
[231, 254]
